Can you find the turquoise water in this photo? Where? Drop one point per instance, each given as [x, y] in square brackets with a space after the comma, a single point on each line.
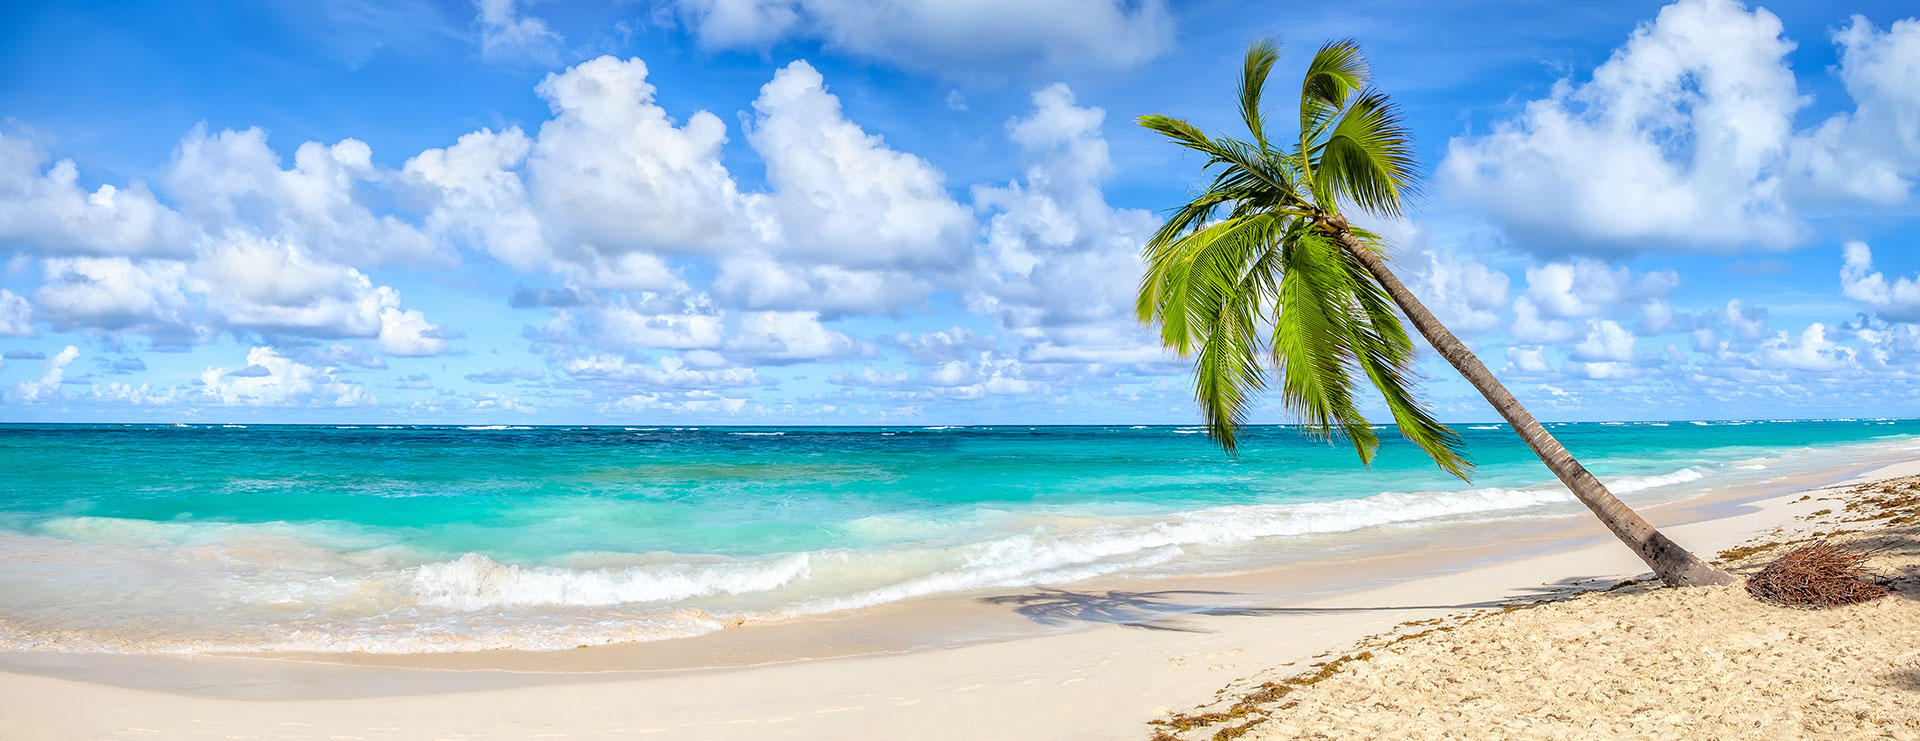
[430, 539]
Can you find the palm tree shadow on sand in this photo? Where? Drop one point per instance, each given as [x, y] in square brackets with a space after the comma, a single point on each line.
[1167, 609]
[1176, 609]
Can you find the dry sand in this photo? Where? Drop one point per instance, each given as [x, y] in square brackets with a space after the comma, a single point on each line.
[1107, 681]
[1636, 662]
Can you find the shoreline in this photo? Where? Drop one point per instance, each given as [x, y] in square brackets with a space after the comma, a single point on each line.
[1107, 679]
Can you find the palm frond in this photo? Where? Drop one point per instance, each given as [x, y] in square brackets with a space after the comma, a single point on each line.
[1385, 354]
[1312, 344]
[1245, 279]
[1208, 291]
[1367, 158]
[1187, 273]
[1253, 81]
[1337, 70]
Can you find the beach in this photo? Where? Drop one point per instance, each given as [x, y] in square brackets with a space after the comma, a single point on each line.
[1121, 653]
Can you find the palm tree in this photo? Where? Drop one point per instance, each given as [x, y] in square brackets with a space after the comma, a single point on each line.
[1261, 273]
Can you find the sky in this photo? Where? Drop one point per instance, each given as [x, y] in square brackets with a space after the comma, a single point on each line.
[780, 212]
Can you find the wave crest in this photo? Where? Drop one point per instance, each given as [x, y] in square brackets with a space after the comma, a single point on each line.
[475, 582]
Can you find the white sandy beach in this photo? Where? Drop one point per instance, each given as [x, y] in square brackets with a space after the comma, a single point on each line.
[1104, 681]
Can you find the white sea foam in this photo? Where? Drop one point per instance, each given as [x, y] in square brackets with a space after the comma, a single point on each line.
[474, 582]
[1629, 484]
[758, 434]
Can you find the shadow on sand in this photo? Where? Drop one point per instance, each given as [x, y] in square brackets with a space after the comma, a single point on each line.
[1174, 609]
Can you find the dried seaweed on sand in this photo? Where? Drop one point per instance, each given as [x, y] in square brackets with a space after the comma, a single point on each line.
[1816, 576]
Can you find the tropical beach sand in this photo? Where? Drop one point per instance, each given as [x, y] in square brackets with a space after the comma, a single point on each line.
[1633, 662]
[1152, 655]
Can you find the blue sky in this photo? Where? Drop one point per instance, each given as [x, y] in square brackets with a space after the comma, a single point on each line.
[821, 212]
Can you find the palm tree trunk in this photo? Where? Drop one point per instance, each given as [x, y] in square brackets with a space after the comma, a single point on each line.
[1672, 563]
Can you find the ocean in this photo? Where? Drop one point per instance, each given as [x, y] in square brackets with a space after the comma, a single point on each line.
[127, 538]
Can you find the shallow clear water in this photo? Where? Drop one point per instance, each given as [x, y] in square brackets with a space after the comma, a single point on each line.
[432, 539]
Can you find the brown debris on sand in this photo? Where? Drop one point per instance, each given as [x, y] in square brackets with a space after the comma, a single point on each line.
[1816, 576]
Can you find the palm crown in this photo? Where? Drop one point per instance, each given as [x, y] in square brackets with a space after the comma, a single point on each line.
[1251, 279]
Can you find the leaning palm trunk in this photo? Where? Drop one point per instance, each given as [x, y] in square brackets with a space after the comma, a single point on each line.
[1673, 564]
[1284, 291]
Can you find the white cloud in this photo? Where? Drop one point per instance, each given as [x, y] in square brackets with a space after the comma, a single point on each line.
[946, 35]
[1813, 351]
[649, 325]
[1530, 327]
[986, 375]
[1686, 135]
[280, 289]
[612, 174]
[1527, 360]
[754, 280]
[231, 181]
[1897, 299]
[1680, 135]
[1466, 295]
[53, 371]
[699, 401]
[1059, 267]
[839, 194]
[50, 212]
[505, 33]
[271, 379]
[789, 336]
[1606, 341]
[939, 346]
[16, 316]
[480, 198]
[871, 378]
[1872, 152]
[114, 294]
[668, 373]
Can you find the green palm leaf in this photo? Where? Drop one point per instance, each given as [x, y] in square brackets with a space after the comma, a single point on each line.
[1248, 279]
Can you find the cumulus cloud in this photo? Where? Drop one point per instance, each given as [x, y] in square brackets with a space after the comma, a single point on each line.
[1606, 341]
[839, 193]
[696, 402]
[49, 211]
[613, 174]
[1897, 299]
[53, 371]
[988, 374]
[669, 373]
[115, 294]
[232, 181]
[754, 280]
[1603, 159]
[253, 247]
[789, 337]
[1872, 152]
[271, 379]
[16, 315]
[1466, 295]
[279, 289]
[945, 35]
[479, 198]
[1059, 266]
[1686, 135]
[1813, 350]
